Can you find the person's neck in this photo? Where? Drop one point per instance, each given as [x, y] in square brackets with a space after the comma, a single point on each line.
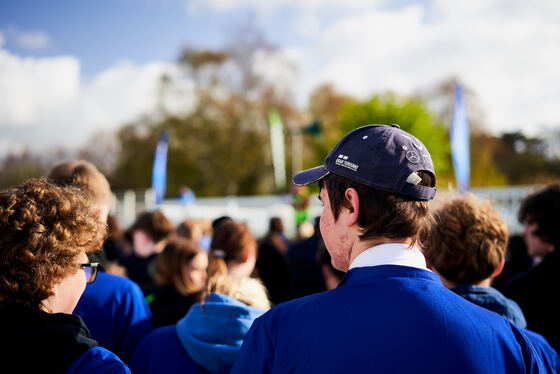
[449, 284]
[359, 246]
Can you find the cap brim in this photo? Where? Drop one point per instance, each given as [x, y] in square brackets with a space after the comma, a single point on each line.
[310, 175]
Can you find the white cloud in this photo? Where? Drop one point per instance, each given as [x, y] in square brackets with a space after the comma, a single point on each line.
[33, 40]
[29, 39]
[31, 88]
[45, 101]
[274, 68]
[509, 61]
[273, 5]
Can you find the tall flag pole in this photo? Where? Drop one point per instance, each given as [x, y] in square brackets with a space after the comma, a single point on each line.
[159, 170]
[277, 148]
[460, 152]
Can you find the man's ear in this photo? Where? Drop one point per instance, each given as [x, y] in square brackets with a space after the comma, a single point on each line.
[499, 269]
[353, 213]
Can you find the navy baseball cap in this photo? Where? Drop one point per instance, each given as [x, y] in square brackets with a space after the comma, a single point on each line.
[379, 156]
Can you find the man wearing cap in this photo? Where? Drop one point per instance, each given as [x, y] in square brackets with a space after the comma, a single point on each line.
[389, 314]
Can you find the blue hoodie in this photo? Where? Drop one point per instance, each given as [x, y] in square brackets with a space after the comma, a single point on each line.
[207, 338]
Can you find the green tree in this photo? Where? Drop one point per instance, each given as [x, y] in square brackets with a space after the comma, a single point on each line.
[15, 169]
[524, 161]
[222, 146]
[411, 114]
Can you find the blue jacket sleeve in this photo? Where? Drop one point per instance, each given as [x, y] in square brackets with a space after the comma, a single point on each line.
[257, 352]
[550, 359]
[98, 360]
[135, 321]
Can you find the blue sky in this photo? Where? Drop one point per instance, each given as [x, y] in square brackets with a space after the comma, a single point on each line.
[100, 33]
[71, 68]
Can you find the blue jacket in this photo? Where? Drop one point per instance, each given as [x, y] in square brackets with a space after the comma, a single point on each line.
[207, 339]
[492, 299]
[385, 319]
[98, 360]
[115, 312]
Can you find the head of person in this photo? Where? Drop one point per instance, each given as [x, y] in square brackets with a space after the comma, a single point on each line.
[190, 229]
[249, 291]
[468, 243]
[45, 232]
[218, 221]
[182, 265]
[538, 214]
[275, 225]
[150, 232]
[84, 175]
[375, 185]
[233, 250]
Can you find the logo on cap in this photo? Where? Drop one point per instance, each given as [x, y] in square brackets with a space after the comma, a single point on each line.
[412, 157]
[342, 160]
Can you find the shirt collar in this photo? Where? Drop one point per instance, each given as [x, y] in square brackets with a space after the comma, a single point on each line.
[390, 254]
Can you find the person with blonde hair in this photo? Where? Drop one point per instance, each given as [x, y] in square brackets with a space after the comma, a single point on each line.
[209, 336]
[180, 273]
[113, 307]
[46, 232]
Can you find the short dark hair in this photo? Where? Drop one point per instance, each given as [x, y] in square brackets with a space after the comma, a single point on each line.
[155, 224]
[542, 208]
[382, 214]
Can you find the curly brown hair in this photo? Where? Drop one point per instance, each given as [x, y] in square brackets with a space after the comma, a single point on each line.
[43, 230]
[469, 241]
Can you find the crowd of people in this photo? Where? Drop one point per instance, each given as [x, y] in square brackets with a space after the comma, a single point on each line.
[387, 282]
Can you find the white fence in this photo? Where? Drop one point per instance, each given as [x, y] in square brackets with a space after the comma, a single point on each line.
[257, 210]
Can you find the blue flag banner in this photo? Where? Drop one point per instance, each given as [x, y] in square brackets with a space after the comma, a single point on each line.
[460, 152]
[159, 171]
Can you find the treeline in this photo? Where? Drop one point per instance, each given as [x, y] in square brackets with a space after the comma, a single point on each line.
[221, 145]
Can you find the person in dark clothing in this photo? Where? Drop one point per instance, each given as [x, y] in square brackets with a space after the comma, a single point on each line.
[331, 275]
[534, 289]
[272, 265]
[180, 273]
[45, 232]
[302, 257]
[517, 260]
[149, 234]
